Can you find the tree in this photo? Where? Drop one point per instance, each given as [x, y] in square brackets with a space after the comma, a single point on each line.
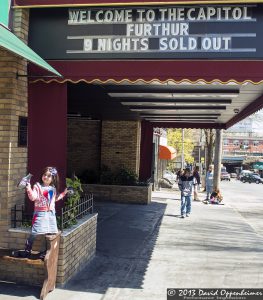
[210, 145]
[174, 138]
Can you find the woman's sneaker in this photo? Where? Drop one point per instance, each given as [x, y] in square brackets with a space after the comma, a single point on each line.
[42, 255]
[21, 254]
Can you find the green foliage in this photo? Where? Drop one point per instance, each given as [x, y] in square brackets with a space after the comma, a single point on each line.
[122, 176]
[72, 200]
[58, 222]
[126, 177]
[27, 224]
[76, 185]
[174, 137]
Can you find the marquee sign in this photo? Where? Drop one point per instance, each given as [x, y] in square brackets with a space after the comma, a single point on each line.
[227, 32]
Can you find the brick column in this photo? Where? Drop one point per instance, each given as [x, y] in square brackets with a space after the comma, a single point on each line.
[120, 144]
[13, 103]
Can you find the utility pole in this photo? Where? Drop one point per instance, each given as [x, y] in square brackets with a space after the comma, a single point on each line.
[182, 157]
[199, 148]
[217, 158]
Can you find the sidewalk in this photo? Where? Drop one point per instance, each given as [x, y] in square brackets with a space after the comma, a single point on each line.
[143, 250]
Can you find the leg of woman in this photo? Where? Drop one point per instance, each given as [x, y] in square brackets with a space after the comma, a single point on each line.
[207, 192]
[183, 203]
[43, 246]
[195, 192]
[188, 205]
[29, 242]
[28, 246]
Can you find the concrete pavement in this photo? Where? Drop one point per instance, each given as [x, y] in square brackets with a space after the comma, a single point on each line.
[143, 250]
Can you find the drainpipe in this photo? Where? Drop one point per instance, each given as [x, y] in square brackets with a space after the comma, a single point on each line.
[182, 158]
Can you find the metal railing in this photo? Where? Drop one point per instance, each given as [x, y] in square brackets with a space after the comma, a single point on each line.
[68, 217]
[20, 217]
[70, 214]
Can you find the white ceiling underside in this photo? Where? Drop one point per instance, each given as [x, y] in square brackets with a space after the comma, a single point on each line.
[185, 102]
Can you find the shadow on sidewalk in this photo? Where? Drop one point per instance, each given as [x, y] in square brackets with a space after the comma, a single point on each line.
[126, 237]
[19, 290]
[175, 216]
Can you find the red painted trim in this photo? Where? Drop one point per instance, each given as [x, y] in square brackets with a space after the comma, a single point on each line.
[148, 70]
[146, 150]
[223, 71]
[47, 129]
[71, 3]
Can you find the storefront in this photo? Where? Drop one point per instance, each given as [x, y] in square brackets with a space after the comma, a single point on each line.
[152, 65]
[127, 68]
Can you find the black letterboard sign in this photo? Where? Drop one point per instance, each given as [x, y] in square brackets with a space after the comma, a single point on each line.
[166, 32]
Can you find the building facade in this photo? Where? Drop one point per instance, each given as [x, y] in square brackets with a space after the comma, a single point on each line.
[127, 68]
[242, 145]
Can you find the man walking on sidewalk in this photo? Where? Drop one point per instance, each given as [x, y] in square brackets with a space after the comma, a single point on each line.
[185, 184]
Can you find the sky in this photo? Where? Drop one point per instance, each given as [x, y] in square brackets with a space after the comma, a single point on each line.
[257, 121]
[257, 124]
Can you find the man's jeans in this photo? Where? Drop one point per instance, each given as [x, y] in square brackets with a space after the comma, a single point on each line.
[185, 203]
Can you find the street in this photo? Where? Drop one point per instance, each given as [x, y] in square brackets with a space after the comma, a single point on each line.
[247, 200]
[143, 250]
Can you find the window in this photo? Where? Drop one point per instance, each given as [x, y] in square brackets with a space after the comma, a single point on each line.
[256, 143]
[22, 132]
[236, 142]
[246, 143]
[226, 142]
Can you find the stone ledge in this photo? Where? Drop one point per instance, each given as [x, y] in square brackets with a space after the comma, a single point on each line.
[5, 255]
[21, 270]
[81, 222]
[120, 193]
[77, 248]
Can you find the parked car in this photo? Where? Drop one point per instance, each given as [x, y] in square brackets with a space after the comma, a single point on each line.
[233, 175]
[225, 176]
[169, 175]
[243, 173]
[251, 178]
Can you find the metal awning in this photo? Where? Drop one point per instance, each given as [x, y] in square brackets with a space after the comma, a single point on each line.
[180, 105]
[167, 152]
[12, 43]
